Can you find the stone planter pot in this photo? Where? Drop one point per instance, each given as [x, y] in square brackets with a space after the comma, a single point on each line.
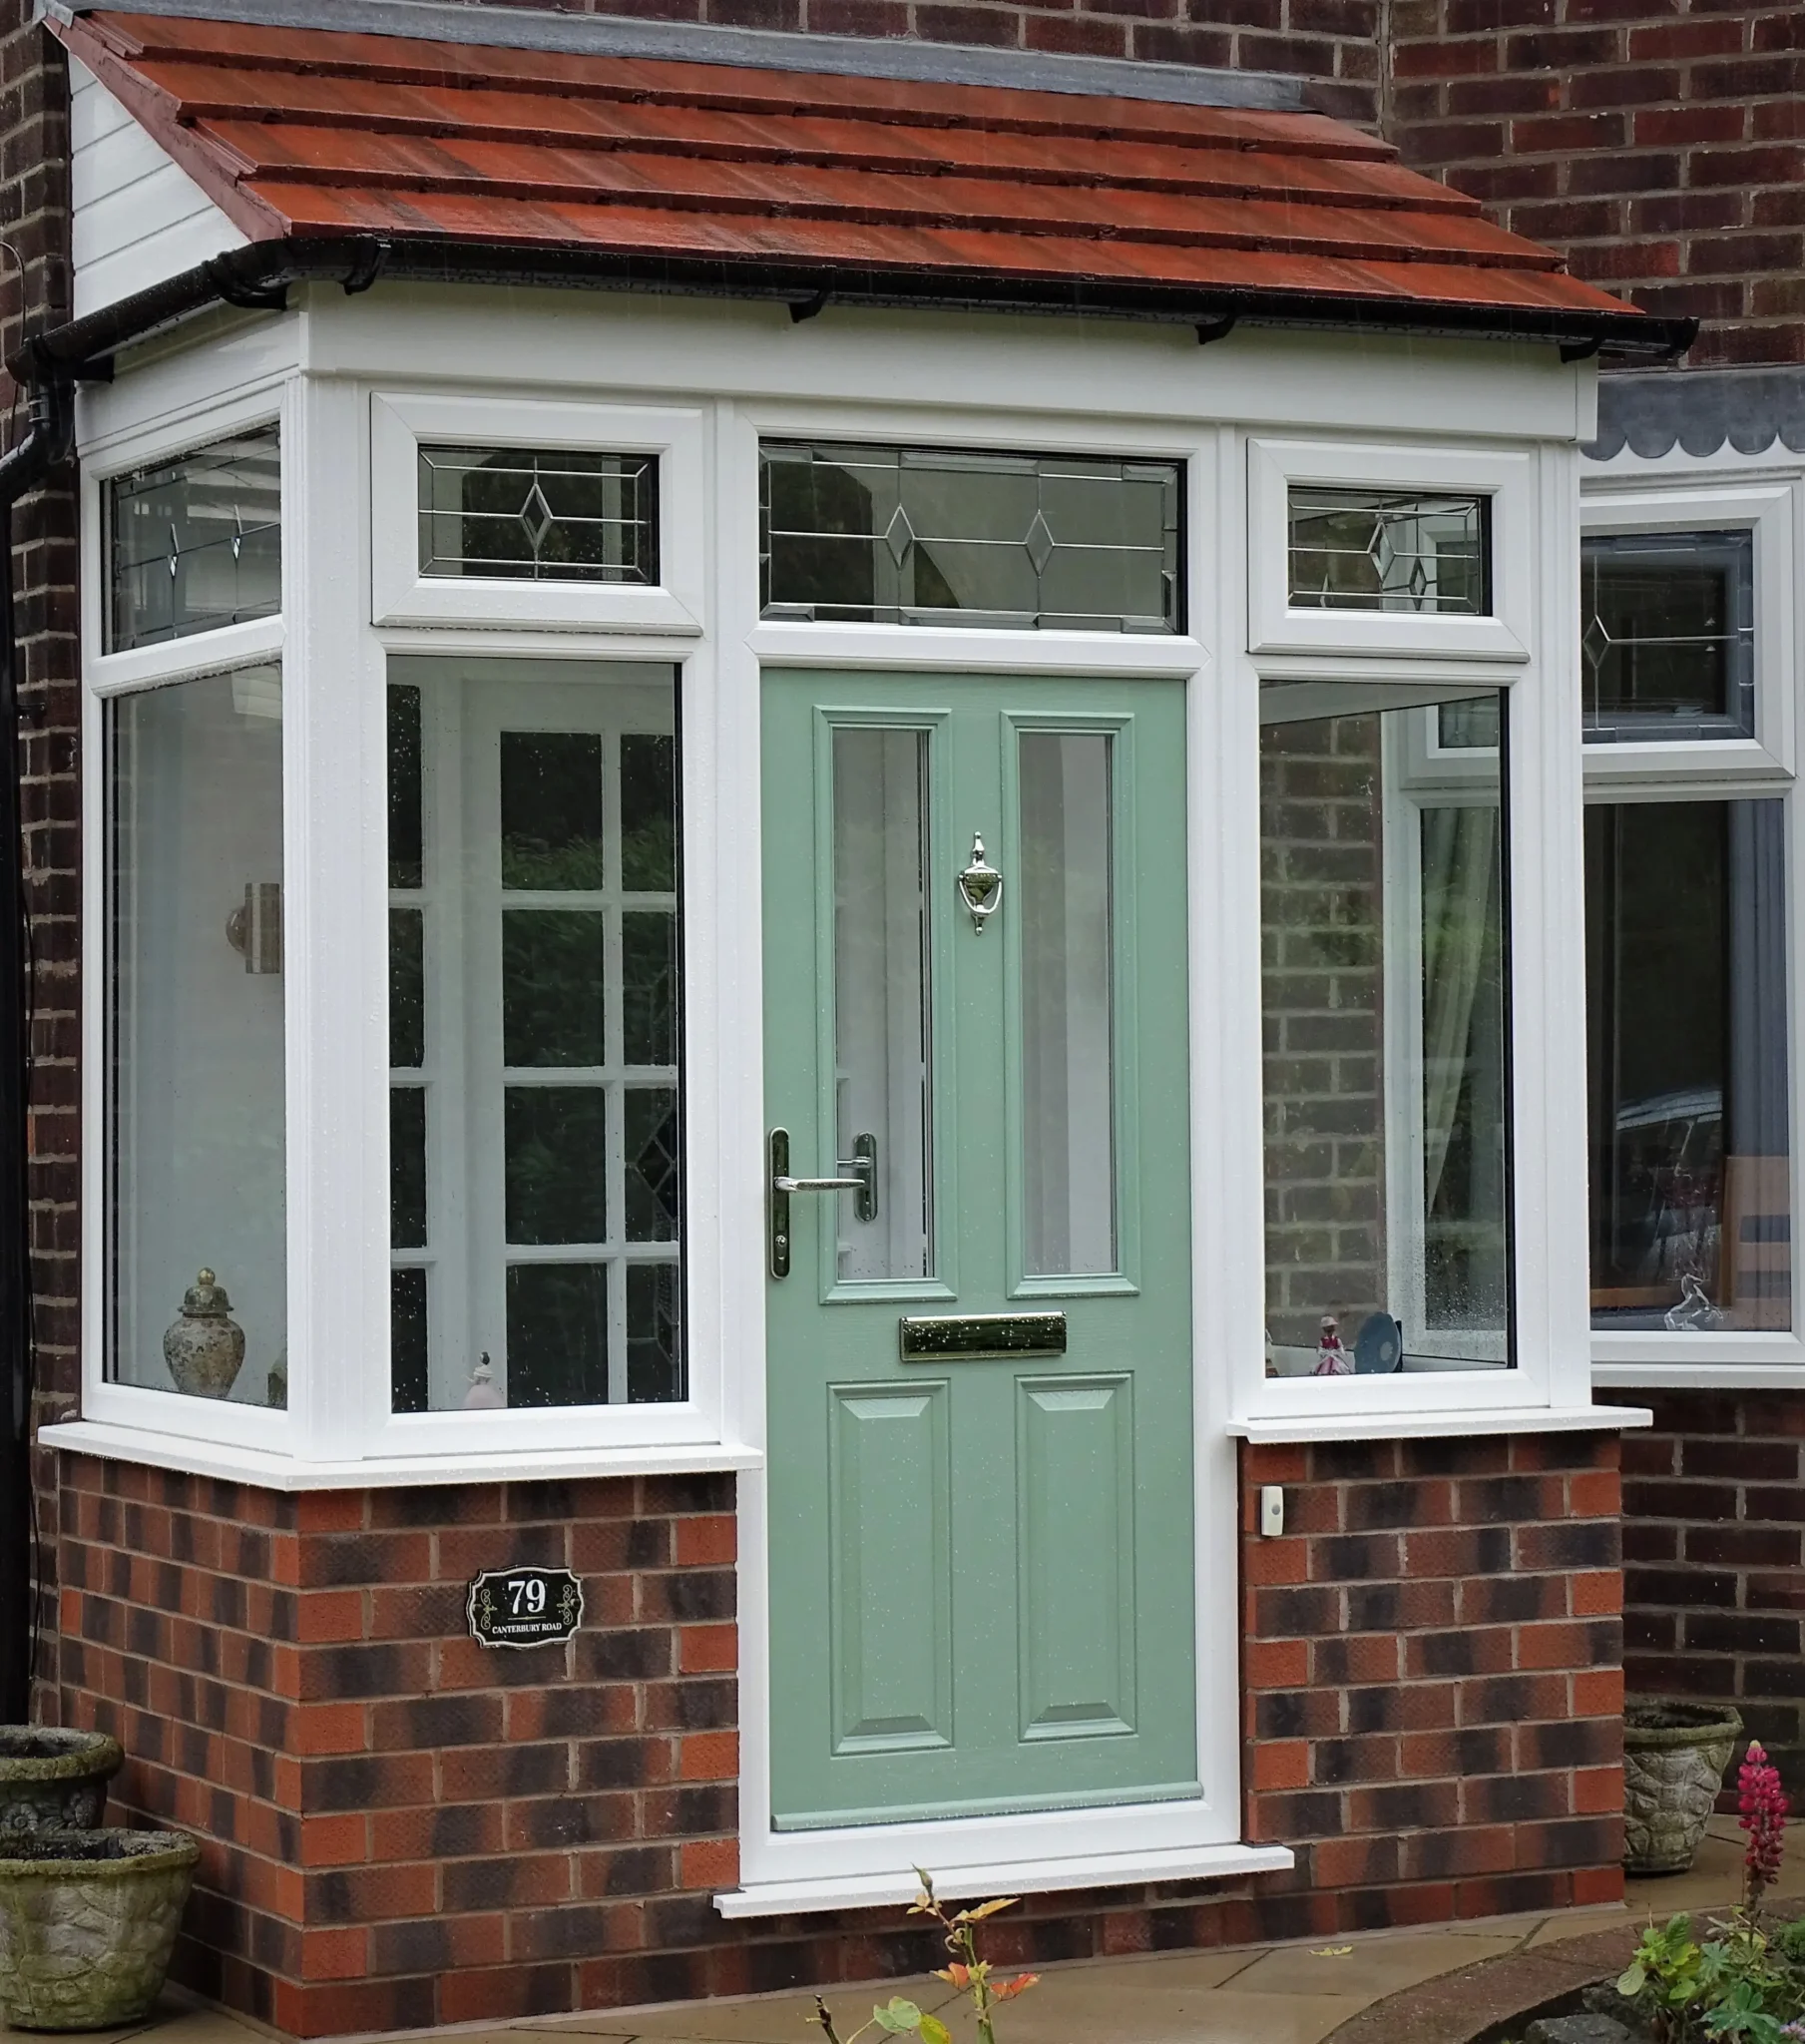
[53, 1780]
[88, 1921]
[1674, 1756]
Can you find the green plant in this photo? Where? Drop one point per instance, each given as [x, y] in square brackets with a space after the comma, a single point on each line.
[967, 1972]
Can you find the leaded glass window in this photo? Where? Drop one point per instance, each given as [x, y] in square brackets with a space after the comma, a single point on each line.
[196, 542]
[1668, 636]
[539, 514]
[535, 1030]
[1389, 549]
[925, 536]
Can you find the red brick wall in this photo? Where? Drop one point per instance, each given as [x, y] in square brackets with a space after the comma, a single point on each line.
[403, 1830]
[1659, 145]
[34, 220]
[1713, 1566]
[1434, 1680]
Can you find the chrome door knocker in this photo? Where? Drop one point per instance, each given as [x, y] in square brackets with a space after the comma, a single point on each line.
[980, 885]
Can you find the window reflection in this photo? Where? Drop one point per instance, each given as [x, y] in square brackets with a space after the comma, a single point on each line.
[1385, 1011]
[1686, 1022]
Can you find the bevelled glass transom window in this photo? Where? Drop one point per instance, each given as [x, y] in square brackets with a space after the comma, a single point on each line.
[937, 536]
[1389, 549]
[196, 542]
[1668, 636]
[534, 1037]
[539, 514]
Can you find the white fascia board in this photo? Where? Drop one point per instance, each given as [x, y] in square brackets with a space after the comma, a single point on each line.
[1020, 1877]
[1415, 1426]
[237, 1464]
[138, 218]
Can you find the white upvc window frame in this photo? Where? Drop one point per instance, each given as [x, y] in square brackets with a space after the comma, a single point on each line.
[1532, 654]
[402, 421]
[267, 399]
[1275, 626]
[1726, 491]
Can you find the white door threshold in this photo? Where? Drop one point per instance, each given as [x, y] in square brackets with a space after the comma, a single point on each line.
[1007, 1877]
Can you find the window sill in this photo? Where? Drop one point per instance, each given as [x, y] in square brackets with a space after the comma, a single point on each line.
[1699, 1373]
[1021, 1878]
[1406, 1427]
[258, 1466]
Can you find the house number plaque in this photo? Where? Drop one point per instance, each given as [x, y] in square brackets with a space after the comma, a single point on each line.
[523, 1607]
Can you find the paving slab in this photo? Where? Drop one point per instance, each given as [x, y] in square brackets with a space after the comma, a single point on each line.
[1369, 1967]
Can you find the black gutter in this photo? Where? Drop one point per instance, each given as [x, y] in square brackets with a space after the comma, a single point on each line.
[261, 273]
[22, 470]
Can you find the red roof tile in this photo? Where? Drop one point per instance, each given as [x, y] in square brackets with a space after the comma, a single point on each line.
[872, 187]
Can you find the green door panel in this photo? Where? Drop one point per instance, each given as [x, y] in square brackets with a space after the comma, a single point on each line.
[982, 1591]
[891, 1597]
[1075, 1556]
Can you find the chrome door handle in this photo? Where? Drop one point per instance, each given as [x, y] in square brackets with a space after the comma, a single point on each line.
[863, 1161]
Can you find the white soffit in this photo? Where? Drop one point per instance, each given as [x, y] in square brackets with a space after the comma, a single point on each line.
[137, 216]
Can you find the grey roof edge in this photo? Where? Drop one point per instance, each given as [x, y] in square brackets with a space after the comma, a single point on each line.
[1700, 411]
[606, 35]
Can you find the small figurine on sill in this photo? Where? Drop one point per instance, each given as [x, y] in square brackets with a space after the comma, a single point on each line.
[1332, 1361]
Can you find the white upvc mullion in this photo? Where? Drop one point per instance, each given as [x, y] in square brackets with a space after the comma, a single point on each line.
[335, 820]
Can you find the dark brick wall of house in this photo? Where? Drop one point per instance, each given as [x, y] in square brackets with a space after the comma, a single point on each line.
[402, 1829]
[35, 288]
[1433, 1674]
[1715, 1558]
[1659, 145]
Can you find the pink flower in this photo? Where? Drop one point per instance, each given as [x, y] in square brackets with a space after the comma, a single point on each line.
[1762, 1803]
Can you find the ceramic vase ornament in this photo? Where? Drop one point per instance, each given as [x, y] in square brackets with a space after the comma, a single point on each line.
[205, 1345]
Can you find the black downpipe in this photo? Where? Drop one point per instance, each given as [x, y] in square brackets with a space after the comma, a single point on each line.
[22, 470]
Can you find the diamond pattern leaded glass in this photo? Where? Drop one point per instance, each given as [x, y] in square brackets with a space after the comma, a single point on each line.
[1381, 550]
[195, 543]
[923, 536]
[1668, 636]
[539, 514]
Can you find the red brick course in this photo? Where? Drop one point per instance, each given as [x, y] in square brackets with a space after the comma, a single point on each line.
[1713, 1562]
[403, 1829]
[1659, 145]
[1433, 1674]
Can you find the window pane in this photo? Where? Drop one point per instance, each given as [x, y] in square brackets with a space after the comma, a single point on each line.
[406, 988]
[557, 1335]
[195, 543]
[1380, 550]
[923, 536]
[541, 1219]
[1067, 1052]
[550, 810]
[1668, 636]
[883, 1096]
[195, 1076]
[405, 807]
[1386, 1005]
[556, 1163]
[549, 515]
[1685, 921]
[649, 988]
[553, 989]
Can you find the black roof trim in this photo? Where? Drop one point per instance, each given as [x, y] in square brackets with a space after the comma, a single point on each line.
[259, 275]
[604, 35]
[1700, 411]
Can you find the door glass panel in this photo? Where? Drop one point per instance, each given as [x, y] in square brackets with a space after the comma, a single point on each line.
[550, 810]
[553, 987]
[880, 918]
[1068, 1053]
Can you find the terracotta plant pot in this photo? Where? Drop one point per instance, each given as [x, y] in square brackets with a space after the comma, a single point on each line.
[52, 1780]
[1674, 1756]
[88, 1921]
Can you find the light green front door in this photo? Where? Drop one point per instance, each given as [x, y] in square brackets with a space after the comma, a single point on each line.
[981, 1535]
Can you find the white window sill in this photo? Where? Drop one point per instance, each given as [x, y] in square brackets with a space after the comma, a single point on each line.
[1699, 1375]
[1018, 1877]
[237, 1464]
[1410, 1426]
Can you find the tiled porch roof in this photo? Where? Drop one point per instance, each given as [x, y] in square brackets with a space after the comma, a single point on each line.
[717, 177]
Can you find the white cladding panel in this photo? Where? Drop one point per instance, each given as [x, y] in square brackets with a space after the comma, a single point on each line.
[138, 217]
